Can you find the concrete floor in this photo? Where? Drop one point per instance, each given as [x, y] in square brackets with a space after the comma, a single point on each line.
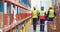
[30, 29]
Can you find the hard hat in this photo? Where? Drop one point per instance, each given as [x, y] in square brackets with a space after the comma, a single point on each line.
[34, 6]
[42, 7]
[50, 7]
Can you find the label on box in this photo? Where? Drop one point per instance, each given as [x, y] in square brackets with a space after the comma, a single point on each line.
[1, 19]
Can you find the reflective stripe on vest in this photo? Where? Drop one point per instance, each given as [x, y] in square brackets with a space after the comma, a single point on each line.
[51, 13]
[42, 13]
[34, 15]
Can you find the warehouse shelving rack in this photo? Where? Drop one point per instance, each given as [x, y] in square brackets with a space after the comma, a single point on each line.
[14, 25]
[11, 26]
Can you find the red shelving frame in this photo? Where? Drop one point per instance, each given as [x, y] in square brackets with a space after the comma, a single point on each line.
[5, 29]
[18, 4]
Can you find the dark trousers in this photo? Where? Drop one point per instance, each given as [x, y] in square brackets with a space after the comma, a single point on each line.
[42, 25]
[34, 23]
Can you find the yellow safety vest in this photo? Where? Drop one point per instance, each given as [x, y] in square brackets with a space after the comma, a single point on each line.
[51, 13]
[34, 14]
[42, 13]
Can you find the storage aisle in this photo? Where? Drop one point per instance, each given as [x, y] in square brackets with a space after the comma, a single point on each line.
[30, 29]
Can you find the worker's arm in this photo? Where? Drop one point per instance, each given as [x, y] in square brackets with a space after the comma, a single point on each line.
[54, 13]
[38, 13]
[47, 14]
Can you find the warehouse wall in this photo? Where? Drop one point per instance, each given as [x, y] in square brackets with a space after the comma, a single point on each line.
[39, 3]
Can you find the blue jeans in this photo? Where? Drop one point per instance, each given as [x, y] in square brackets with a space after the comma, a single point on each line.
[42, 25]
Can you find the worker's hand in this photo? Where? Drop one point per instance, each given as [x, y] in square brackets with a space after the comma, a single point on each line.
[38, 22]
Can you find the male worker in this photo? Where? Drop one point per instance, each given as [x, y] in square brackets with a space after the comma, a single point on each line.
[51, 14]
[42, 19]
[34, 17]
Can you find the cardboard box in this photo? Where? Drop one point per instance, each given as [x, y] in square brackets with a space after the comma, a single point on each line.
[51, 27]
[1, 19]
[58, 18]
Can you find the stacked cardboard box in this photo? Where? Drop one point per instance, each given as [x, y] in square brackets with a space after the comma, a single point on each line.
[58, 18]
[51, 26]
